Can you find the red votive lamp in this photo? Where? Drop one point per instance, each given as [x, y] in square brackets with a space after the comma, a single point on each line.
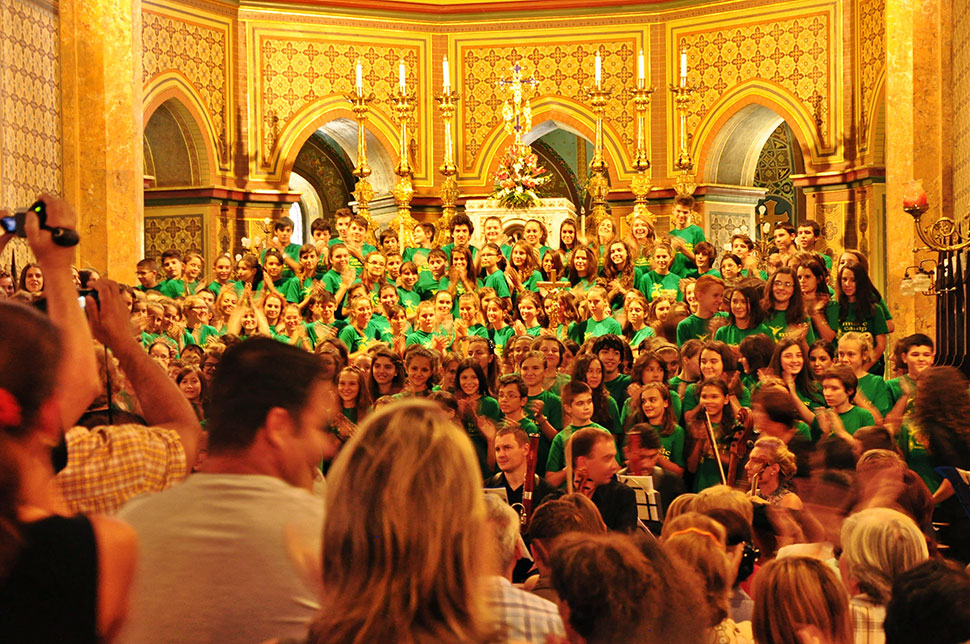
[914, 196]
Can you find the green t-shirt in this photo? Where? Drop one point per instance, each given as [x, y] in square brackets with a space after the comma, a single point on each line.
[693, 327]
[874, 388]
[557, 451]
[672, 446]
[496, 280]
[617, 388]
[296, 290]
[777, 324]
[654, 285]
[409, 300]
[200, 336]
[551, 408]
[500, 337]
[692, 397]
[331, 281]
[419, 256]
[487, 407]
[593, 329]
[917, 457]
[852, 420]
[641, 335]
[851, 321]
[896, 390]
[423, 338]
[427, 285]
[216, 288]
[730, 334]
[354, 341]
[447, 250]
[692, 235]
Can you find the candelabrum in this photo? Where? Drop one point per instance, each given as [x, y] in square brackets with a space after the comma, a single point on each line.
[447, 104]
[641, 162]
[364, 192]
[945, 235]
[598, 187]
[403, 190]
[685, 183]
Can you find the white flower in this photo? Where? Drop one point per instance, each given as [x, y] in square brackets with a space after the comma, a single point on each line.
[245, 241]
[266, 221]
[238, 257]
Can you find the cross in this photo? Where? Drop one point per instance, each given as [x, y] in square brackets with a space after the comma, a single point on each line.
[518, 117]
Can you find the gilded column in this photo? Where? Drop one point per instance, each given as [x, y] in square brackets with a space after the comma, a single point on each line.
[101, 89]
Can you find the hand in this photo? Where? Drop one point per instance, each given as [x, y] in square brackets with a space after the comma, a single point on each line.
[536, 408]
[348, 276]
[519, 327]
[581, 483]
[59, 214]
[487, 428]
[633, 390]
[109, 321]
[788, 378]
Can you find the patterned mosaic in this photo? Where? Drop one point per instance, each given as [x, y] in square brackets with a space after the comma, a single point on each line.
[774, 169]
[296, 72]
[961, 112]
[872, 57]
[184, 232]
[30, 118]
[318, 162]
[792, 52]
[562, 69]
[200, 53]
[724, 225]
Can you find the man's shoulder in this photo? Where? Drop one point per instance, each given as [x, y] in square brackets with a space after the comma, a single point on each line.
[496, 480]
[506, 594]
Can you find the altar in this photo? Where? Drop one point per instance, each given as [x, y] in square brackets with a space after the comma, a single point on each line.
[550, 211]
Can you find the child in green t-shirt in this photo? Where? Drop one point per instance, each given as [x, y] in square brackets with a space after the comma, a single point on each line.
[839, 386]
[709, 291]
[577, 400]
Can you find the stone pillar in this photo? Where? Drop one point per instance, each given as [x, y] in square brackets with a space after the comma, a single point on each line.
[919, 120]
[101, 99]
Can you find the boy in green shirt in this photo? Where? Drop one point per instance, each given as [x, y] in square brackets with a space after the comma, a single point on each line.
[609, 349]
[806, 236]
[430, 283]
[684, 236]
[577, 400]
[661, 282]
[917, 352]
[709, 291]
[461, 233]
[355, 243]
[839, 386]
[423, 235]
[406, 292]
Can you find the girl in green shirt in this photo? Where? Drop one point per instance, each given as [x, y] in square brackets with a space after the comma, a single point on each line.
[655, 408]
[784, 309]
[355, 401]
[499, 330]
[636, 329]
[790, 362]
[745, 317]
[582, 270]
[521, 272]
[855, 352]
[476, 406]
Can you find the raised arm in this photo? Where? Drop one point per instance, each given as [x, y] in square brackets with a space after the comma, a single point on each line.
[78, 380]
[162, 404]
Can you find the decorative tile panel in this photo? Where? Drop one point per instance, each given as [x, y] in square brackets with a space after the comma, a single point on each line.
[184, 232]
[872, 59]
[200, 53]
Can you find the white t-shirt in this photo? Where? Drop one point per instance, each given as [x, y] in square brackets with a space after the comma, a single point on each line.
[222, 558]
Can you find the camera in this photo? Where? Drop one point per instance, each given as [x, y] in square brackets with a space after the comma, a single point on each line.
[82, 295]
[60, 235]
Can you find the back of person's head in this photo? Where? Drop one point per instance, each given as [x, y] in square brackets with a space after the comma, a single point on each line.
[252, 378]
[403, 533]
[725, 497]
[930, 603]
[608, 585]
[878, 545]
[503, 523]
[30, 352]
[874, 437]
[557, 517]
[777, 405]
[946, 426]
[700, 542]
[795, 593]
[682, 615]
[682, 503]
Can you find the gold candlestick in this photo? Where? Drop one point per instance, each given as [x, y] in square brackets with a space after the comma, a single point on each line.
[364, 192]
[685, 183]
[641, 162]
[447, 104]
[403, 190]
[598, 186]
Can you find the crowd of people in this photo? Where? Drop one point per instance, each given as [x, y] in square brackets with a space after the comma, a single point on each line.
[625, 438]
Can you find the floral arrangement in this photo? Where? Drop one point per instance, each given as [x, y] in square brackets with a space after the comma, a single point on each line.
[519, 178]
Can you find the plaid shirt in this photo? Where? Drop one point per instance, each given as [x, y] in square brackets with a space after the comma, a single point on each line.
[522, 616]
[867, 619]
[110, 464]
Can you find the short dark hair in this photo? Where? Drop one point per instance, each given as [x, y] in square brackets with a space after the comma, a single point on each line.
[283, 222]
[777, 404]
[556, 517]
[608, 341]
[930, 603]
[809, 223]
[386, 234]
[514, 379]
[461, 219]
[572, 389]
[787, 227]
[845, 375]
[684, 200]
[252, 378]
[148, 264]
[320, 224]
[649, 438]
[172, 252]
[428, 228]
[914, 340]
[343, 212]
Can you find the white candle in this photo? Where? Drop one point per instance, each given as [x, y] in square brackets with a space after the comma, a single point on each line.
[444, 71]
[641, 68]
[401, 76]
[360, 78]
[598, 70]
[683, 67]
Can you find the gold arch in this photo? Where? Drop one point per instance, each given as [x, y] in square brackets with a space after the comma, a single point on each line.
[755, 92]
[878, 96]
[171, 85]
[309, 119]
[563, 110]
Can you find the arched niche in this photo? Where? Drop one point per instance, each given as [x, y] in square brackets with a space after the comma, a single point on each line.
[381, 161]
[175, 147]
[734, 152]
[564, 152]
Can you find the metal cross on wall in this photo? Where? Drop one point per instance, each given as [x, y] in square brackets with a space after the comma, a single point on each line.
[516, 113]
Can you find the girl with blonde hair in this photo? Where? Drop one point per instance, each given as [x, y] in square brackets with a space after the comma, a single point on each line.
[387, 576]
[773, 464]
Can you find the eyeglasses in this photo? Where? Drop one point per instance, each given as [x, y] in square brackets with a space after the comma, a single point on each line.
[209, 366]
